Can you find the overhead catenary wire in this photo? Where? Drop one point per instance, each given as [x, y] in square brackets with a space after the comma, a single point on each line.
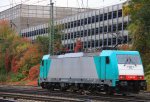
[39, 1]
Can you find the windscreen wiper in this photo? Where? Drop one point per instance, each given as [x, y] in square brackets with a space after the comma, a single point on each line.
[132, 61]
[126, 62]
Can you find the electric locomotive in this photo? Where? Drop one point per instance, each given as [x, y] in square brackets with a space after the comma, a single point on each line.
[109, 71]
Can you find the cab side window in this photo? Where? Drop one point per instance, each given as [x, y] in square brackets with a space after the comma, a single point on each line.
[42, 62]
[107, 60]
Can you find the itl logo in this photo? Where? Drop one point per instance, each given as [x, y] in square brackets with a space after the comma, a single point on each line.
[130, 67]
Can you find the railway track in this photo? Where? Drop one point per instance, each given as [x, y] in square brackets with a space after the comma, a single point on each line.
[16, 96]
[36, 93]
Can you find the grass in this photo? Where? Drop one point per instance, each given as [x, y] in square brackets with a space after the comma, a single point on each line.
[148, 82]
[3, 77]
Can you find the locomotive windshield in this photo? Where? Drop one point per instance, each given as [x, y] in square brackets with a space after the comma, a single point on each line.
[128, 59]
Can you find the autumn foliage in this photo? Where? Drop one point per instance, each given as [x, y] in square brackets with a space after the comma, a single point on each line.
[18, 56]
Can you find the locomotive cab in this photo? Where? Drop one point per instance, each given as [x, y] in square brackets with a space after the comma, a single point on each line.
[125, 69]
[130, 72]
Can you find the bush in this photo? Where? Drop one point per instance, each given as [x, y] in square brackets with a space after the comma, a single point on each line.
[3, 75]
[148, 81]
[147, 74]
[17, 77]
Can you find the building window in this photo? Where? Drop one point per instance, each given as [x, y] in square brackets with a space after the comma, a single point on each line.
[109, 28]
[114, 27]
[96, 43]
[71, 47]
[68, 35]
[96, 31]
[120, 26]
[93, 43]
[75, 23]
[105, 42]
[33, 33]
[120, 13]
[85, 21]
[114, 41]
[96, 18]
[89, 32]
[110, 15]
[109, 41]
[75, 34]
[65, 36]
[41, 31]
[66, 26]
[71, 35]
[114, 14]
[93, 31]
[78, 33]
[44, 30]
[23, 35]
[105, 29]
[71, 24]
[89, 20]
[47, 30]
[89, 44]
[78, 23]
[105, 16]
[85, 33]
[82, 22]
[101, 29]
[85, 43]
[82, 33]
[93, 19]
[101, 17]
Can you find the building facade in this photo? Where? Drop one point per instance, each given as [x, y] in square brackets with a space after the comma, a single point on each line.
[25, 16]
[95, 29]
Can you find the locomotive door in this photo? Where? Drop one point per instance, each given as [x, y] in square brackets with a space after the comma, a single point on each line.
[103, 67]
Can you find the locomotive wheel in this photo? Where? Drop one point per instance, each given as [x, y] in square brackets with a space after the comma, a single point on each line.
[50, 88]
[63, 89]
[43, 85]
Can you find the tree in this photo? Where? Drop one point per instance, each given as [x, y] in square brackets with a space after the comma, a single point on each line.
[17, 55]
[139, 28]
[43, 42]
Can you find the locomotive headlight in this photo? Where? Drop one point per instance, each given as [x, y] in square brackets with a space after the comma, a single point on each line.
[141, 77]
[122, 77]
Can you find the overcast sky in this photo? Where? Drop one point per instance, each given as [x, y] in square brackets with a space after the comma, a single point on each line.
[5, 4]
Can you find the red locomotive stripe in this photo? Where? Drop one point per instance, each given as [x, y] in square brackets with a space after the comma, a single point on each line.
[131, 77]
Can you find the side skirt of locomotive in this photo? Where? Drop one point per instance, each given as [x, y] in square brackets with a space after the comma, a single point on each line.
[79, 85]
[99, 86]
